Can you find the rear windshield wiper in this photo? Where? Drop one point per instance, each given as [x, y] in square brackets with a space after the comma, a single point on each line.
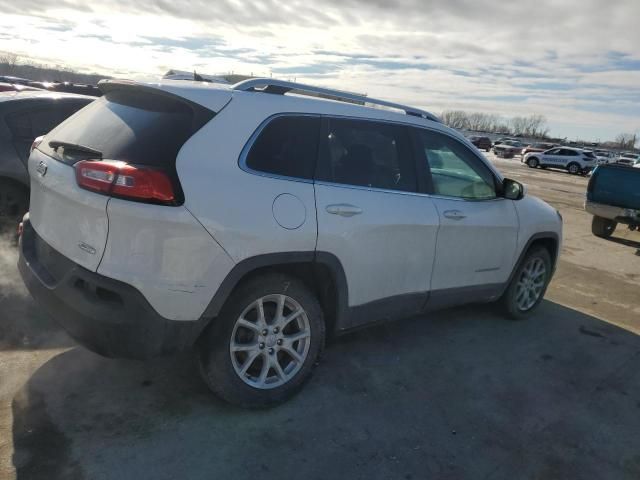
[55, 144]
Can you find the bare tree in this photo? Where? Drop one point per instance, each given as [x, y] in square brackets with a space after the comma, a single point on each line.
[534, 126]
[8, 62]
[455, 118]
[626, 140]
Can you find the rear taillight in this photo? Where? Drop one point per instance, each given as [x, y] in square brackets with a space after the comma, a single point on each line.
[124, 180]
[35, 143]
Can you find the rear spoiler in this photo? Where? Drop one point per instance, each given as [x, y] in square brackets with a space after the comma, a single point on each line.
[201, 114]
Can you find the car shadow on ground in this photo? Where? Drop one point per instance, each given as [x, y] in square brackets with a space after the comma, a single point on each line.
[625, 241]
[461, 393]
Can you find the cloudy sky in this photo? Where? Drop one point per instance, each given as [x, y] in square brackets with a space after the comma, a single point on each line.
[575, 61]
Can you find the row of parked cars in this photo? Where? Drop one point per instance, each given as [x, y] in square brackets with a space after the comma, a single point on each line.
[549, 155]
[17, 84]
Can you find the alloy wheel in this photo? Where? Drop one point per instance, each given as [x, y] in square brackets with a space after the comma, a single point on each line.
[530, 283]
[270, 341]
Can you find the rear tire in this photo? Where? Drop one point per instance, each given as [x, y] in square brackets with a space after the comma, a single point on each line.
[603, 227]
[528, 285]
[250, 359]
[574, 168]
[533, 162]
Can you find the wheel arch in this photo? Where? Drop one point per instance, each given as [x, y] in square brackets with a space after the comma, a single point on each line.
[548, 240]
[322, 272]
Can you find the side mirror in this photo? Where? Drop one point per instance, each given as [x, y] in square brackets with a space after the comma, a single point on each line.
[512, 189]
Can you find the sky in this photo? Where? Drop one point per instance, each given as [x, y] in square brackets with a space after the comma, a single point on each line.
[575, 61]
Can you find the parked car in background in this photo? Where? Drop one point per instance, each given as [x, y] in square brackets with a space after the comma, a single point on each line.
[16, 87]
[502, 140]
[536, 147]
[292, 234]
[23, 117]
[67, 87]
[628, 159]
[482, 143]
[574, 160]
[14, 80]
[604, 156]
[613, 197]
[508, 148]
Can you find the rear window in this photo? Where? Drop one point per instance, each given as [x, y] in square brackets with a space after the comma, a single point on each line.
[589, 155]
[135, 126]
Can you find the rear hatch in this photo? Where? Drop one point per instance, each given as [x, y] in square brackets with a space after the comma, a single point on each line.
[140, 125]
[615, 185]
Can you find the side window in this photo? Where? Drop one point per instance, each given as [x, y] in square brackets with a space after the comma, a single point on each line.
[43, 121]
[555, 151]
[20, 125]
[455, 170]
[369, 154]
[287, 146]
[569, 153]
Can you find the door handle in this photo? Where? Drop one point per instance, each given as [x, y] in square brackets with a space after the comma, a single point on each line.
[454, 214]
[344, 210]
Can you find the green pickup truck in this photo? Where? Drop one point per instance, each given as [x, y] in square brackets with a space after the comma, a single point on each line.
[613, 197]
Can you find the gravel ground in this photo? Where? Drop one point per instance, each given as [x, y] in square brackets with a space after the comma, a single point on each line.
[457, 394]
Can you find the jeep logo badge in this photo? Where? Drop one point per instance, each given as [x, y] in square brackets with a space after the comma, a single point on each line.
[42, 168]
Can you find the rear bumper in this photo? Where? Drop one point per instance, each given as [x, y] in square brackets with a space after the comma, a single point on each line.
[626, 216]
[107, 316]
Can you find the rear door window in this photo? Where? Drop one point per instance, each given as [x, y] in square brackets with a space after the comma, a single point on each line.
[287, 146]
[368, 154]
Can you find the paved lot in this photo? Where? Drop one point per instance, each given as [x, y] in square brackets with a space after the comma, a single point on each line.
[460, 394]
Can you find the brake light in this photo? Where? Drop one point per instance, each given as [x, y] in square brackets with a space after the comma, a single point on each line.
[124, 180]
[35, 143]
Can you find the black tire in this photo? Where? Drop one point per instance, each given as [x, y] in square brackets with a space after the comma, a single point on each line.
[14, 203]
[533, 162]
[603, 227]
[508, 299]
[216, 365]
[574, 168]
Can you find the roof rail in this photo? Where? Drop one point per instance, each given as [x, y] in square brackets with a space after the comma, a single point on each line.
[280, 87]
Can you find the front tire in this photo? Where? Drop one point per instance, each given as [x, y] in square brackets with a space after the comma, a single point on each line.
[533, 162]
[263, 346]
[603, 227]
[528, 285]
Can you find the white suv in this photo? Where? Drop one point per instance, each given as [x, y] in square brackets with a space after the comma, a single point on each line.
[253, 223]
[575, 160]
